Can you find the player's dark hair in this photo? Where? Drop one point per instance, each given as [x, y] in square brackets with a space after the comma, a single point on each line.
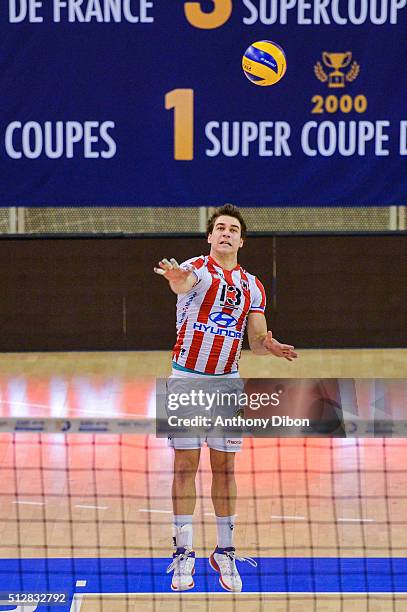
[231, 211]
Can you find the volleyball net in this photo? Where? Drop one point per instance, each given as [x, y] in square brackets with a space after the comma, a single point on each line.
[86, 516]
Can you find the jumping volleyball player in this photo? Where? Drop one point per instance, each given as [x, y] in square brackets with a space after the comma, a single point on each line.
[209, 285]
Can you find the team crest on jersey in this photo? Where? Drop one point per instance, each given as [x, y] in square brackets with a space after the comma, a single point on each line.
[231, 296]
[245, 285]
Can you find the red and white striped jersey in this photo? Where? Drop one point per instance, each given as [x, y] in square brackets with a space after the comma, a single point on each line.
[211, 317]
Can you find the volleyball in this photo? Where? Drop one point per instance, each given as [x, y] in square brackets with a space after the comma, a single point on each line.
[264, 63]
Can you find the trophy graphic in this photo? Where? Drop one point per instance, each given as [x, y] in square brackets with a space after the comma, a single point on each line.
[336, 61]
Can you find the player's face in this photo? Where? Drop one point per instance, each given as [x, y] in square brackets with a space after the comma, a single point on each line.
[226, 236]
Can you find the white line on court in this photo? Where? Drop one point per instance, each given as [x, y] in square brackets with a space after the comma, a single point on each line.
[29, 503]
[292, 518]
[342, 520]
[77, 599]
[93, 507]
[159, 511]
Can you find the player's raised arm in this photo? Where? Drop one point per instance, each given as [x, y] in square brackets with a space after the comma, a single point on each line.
[181, 280]
[261, 341]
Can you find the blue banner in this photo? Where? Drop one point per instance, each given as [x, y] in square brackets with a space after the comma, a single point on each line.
[145, 103]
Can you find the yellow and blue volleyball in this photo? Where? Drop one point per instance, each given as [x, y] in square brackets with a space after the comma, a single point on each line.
[264, 63]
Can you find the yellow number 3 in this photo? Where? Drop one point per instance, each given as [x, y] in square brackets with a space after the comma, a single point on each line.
[222, 10]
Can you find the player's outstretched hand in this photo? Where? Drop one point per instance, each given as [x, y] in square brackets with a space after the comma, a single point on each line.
[172, 271]
[278, 349]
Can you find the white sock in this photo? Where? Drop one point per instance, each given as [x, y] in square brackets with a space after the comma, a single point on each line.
[225, 525]
[182, 530]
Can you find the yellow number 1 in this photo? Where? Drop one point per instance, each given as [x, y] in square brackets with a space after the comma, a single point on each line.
[222, 10]
[182, 101]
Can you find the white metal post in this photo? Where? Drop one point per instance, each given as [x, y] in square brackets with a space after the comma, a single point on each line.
[12, 220]
[393, 221]
[21, 220]
[202, 218]
[402, 218]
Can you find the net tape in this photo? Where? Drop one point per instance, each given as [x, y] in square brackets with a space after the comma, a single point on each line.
[361, 560]
[354, 428]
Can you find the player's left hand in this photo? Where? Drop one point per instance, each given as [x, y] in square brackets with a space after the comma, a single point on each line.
[278, 349]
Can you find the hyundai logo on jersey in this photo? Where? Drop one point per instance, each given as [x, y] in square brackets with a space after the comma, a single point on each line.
[222, 319]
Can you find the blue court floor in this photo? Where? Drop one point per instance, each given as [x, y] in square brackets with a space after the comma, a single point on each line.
[147, 575]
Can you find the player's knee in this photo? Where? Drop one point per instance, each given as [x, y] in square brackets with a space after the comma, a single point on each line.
[185, 465]
[223, 465]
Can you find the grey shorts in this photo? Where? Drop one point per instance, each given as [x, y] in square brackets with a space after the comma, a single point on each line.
[227, 444]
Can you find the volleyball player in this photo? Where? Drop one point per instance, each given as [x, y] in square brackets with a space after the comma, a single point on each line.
[209, 288]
